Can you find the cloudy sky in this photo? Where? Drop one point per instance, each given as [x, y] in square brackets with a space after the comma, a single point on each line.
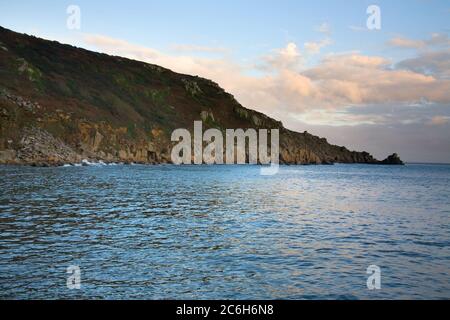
[314, 65]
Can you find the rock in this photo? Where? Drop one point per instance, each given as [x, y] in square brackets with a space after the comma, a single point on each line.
[3, 47]
[98, 137]
[241, 112]
[4, 113]
[191, 87]
[256, 121]
[23, 66]
[151, 147]
[393, 159]
[123, 154]
[40, 147]
[19, 101]
[7, 156]
[206, 115]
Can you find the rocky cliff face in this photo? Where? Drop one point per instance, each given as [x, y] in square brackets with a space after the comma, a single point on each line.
[61, 104]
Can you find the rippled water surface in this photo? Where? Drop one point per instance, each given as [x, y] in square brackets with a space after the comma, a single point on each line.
[206, 232]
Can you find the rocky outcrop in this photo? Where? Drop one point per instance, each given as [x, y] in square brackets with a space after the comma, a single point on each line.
[19, 101]
[393, 159]
[207, 116]
[39, 147]
[191, 87]
[7, 156]
[85, 105]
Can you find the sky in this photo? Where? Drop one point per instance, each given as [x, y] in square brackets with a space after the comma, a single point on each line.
[314, 65]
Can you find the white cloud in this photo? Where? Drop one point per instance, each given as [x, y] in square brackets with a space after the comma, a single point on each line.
[435, 40]
[406, 43]
[288, 57]
[315, 47]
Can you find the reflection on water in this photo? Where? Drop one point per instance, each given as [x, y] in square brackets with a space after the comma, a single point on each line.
[161, 232]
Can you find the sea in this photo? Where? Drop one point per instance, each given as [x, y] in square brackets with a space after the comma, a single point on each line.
[347, 231]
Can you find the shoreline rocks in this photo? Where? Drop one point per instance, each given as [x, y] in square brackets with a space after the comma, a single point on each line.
[38, 148]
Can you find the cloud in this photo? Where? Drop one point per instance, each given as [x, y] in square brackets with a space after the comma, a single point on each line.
[315, 47]
[288, 57]
[436, 63]
[439, 120]
[406, 43]
[336, 119]
[439, 39]
[118, 47]
[359, 79]
[435, 40]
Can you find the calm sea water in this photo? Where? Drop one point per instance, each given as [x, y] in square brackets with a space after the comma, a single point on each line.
[170, 232]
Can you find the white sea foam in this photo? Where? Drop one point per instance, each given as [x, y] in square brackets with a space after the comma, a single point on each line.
[86, 162]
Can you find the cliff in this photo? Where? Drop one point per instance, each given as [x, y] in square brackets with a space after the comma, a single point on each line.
[61, 104]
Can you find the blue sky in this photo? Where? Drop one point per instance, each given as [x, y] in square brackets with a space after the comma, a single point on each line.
[312, 64]
[247, 27]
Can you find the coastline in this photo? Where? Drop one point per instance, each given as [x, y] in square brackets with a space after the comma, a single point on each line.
[99, 163]
[42, 124]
